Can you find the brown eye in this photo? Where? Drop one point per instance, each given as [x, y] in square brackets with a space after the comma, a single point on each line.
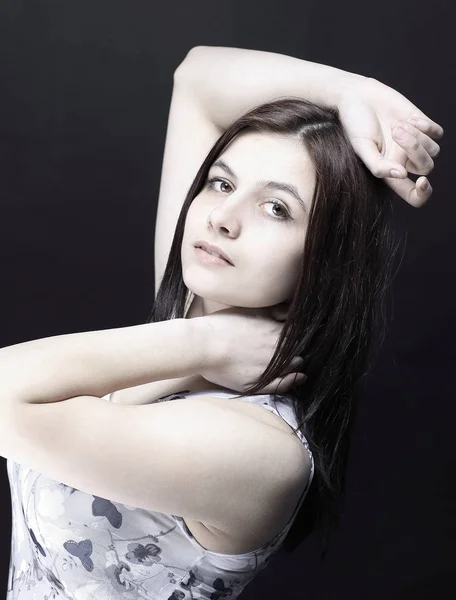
[211, 182]
[285, 216]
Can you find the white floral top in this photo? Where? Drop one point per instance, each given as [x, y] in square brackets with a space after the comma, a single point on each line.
[66, 543]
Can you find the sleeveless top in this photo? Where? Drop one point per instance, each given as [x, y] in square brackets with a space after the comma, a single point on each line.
[66, 543]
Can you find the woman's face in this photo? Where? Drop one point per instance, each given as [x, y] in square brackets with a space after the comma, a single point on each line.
[261, 229]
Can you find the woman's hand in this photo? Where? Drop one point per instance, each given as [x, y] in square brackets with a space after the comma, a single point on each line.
[240, 343]
[370, 112]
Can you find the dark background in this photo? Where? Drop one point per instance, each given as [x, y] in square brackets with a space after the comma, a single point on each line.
[85, 89]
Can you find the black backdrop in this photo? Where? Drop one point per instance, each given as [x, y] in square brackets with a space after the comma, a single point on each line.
[84, 96]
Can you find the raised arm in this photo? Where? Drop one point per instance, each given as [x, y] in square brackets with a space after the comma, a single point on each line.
[215, 85]
[227, 82]
[211, 88]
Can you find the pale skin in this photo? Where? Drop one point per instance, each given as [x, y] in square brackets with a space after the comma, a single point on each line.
[262, 230]
[227, 82]
[45, 408]
[373, 115]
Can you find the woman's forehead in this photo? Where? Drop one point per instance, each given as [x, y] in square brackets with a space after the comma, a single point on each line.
[259, 157]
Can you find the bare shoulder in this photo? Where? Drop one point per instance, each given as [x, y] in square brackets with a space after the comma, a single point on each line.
[290, 455]
[261, 515]
[209, 463]
[264, 416]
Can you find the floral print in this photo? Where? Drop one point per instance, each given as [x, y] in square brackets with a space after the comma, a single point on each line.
[69, 544]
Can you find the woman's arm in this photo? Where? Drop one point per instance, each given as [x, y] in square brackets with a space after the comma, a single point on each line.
[227, 82]
[95, 363]
[230, 81]
[231, 347]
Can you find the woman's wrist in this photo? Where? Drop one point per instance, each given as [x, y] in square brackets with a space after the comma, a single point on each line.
[227, 82]
[207, 350]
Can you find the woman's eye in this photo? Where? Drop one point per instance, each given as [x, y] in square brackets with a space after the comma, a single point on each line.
[285, 215]
[211, 183]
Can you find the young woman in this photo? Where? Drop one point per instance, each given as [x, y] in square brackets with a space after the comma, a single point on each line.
[184, 499]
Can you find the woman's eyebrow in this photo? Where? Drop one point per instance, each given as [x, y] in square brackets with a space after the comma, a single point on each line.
[269, 185]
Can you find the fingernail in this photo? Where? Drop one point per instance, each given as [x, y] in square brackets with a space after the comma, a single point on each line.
[414, 121]
[395, 173]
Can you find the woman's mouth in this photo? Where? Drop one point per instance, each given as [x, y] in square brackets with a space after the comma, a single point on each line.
[209, 259]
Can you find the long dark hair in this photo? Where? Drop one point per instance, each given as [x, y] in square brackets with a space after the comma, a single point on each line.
[337, 317]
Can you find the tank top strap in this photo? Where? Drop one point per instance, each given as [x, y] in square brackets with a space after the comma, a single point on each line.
[285, 407]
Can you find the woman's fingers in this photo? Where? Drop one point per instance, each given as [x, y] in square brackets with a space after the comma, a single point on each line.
[296, 364]
[427, 126]
[282, 384]
[380, 166]
[415, 193]
[416, 141]
[418, 146]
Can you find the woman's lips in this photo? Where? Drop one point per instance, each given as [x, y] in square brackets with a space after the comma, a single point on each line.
[208, 259]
